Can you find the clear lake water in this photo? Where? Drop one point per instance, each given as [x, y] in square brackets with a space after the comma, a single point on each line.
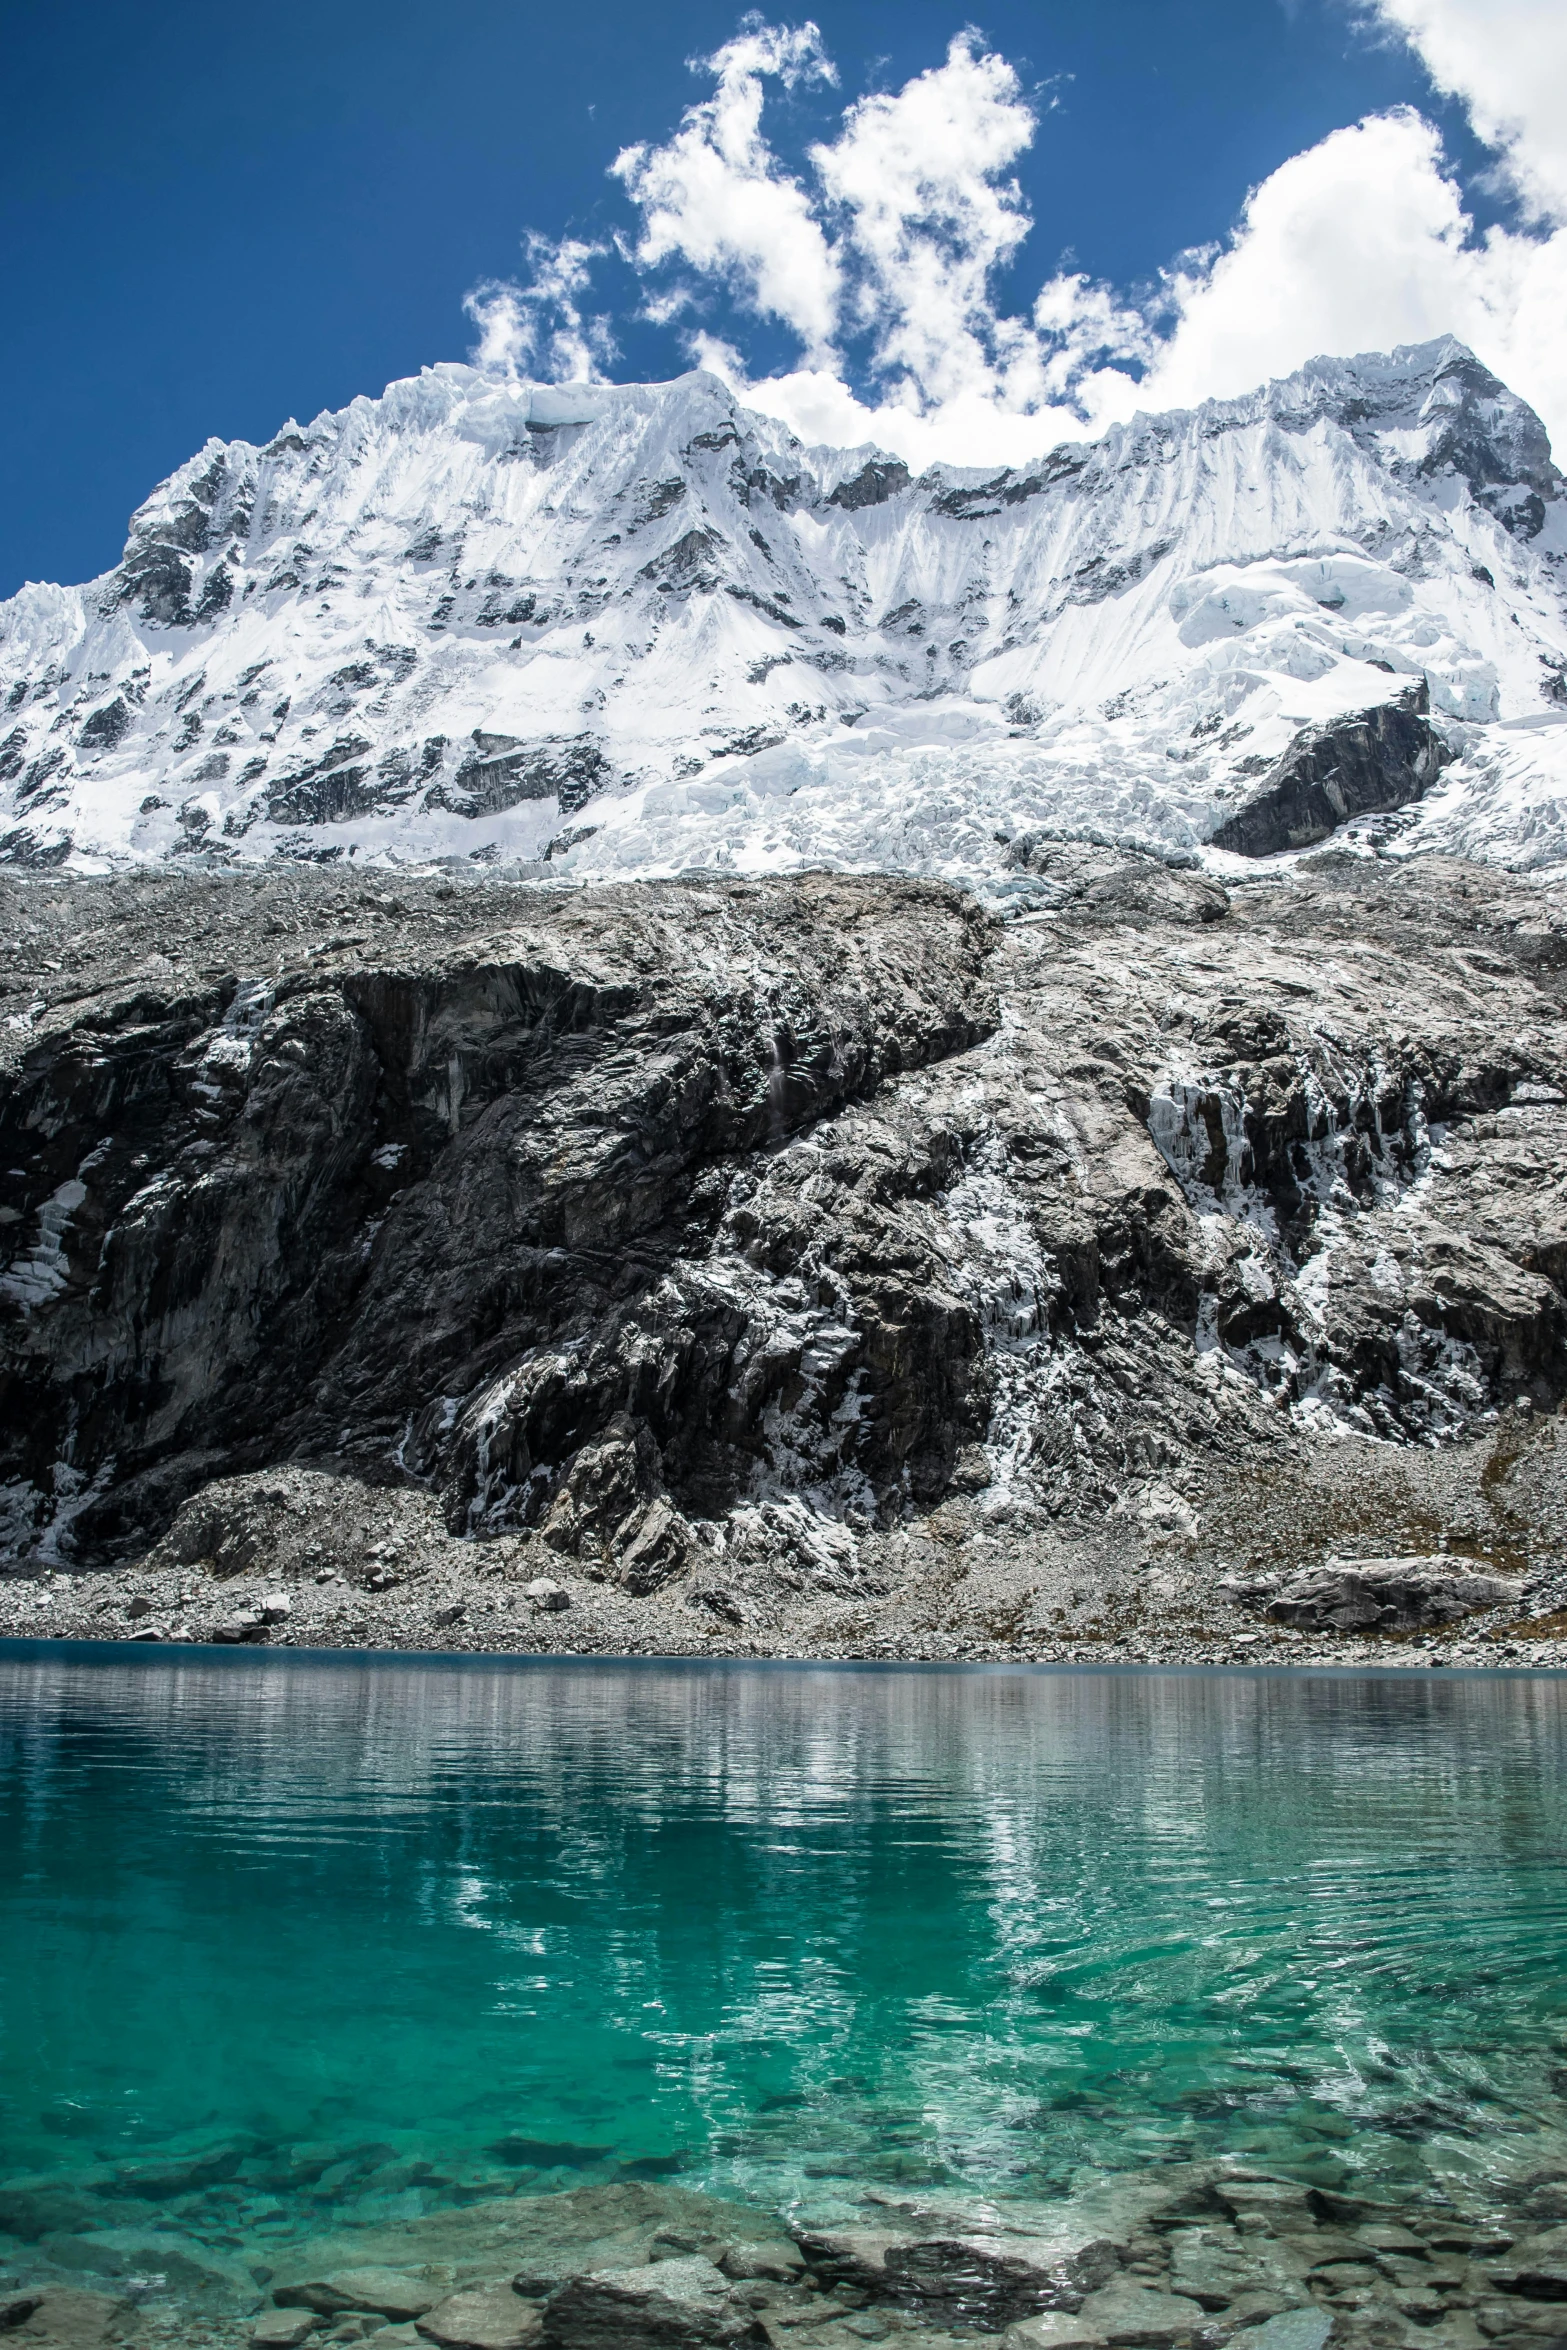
[404, 1932]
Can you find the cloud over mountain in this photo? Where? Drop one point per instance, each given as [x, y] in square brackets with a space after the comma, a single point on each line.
[881, 257]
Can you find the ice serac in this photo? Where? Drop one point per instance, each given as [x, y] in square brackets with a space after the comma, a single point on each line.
[604, 630]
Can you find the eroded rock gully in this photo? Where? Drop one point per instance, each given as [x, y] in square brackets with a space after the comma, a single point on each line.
[809, 1264]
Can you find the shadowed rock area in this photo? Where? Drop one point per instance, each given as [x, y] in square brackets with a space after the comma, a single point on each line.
[813, 1262]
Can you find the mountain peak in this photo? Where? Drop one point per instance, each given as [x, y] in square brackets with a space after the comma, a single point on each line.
[604, 628]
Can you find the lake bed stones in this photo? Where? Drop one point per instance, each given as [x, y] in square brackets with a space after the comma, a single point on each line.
[378, 2292]
[1133, 2316]
[683, 2304]
[483, 2317]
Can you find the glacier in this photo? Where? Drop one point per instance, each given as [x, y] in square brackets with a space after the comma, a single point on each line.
[592, 631]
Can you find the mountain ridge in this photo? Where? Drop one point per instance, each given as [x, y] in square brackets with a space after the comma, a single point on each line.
[611, 630]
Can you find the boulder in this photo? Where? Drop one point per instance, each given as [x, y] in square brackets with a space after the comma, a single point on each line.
[669, 2305]
[1131, 2316]
[1265, 2204]
[1293, 2329]
[1528, 2324]
[1536, 2269]
[856, 2257]
[484, 2317]
[780, 2263]
[383, 2292]
[1389, 1594]
[547, 1594]
[1213, 2265]
[245, 1624]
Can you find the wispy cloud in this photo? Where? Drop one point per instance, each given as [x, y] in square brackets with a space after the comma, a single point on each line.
[541, 327]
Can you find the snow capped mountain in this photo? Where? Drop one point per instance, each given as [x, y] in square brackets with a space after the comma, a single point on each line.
[636, 629]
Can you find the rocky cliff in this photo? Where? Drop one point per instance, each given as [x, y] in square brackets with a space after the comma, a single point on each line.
[720, 1254]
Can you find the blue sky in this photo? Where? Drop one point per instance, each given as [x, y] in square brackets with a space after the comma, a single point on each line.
[214, 219]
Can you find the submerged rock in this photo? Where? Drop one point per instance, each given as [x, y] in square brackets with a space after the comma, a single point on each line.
[177, 2257]
[482, 2317]
[1133, 2316]
[1053, 2329]
[66, 2318]
[1537, 2269]
[387, 2292]
[781, 2263]
[683, 2304]
[282, 2329]
[1294, 2329]
[976, 2275]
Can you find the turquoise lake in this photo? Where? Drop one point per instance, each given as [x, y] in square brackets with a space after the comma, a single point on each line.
[780, 1933]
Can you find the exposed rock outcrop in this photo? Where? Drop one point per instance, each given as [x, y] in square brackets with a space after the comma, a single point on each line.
[1356, 1595]
[1360, 765]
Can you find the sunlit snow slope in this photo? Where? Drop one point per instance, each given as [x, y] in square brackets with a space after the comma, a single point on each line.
[636, 629]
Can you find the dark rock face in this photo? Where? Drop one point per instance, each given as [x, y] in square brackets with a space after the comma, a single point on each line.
[1359, 766]
[501, 773]
[465, 1214]
[1499, 447]
[105, 727]
[873, 485]
[692, 1239]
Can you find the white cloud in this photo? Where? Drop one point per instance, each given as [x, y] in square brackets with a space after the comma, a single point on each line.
[1507, 61]
[715, 199]
[1354, 245]
[892, 252]
[916, 181]
[1360, 243]
[541, 327]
